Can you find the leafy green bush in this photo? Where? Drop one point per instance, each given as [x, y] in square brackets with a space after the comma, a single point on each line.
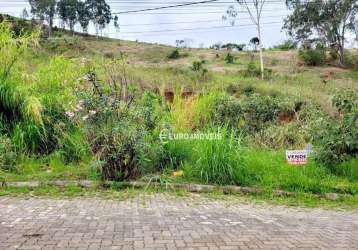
[346, 100]
[229, 58]
[254, 112]
[175, 54]
[227, 111]
[118, 143]
[313, 57]
[121, 133]
[234, 89]
[337, 139]
[7, 154]
[248, 90]
[253, 71]
[258, 110]
[117, 135]
[198, 65]
[351, 59]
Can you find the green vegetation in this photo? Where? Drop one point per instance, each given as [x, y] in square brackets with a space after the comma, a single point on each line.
[229, 58]
[174, 54]
[86, 115]
[313, 57]
[309, 22]
[73, 11]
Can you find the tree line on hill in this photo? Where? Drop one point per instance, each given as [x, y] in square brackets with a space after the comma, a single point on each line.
[72, 12]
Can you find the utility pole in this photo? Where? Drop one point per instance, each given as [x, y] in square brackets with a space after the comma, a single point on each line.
[254, 9]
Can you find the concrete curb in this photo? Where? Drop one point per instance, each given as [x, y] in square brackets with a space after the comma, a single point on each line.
[194, 188]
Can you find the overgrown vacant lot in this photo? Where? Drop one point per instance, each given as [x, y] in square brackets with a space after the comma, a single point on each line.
[76, 107]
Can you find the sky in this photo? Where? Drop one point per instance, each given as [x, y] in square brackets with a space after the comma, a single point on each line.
[202, 25]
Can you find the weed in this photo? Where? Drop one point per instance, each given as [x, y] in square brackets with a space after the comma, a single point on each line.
[7, 154]
[229, 58]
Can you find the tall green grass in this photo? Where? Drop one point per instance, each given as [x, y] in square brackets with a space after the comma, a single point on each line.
[216, 161]
[228, 161]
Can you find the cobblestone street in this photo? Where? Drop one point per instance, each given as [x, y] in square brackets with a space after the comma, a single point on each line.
[163, 221]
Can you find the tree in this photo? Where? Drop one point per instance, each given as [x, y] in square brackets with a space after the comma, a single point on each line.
[24, 14]
[100, 13]
[44, 10]
[183, 43]
[116, 22]
[68, 12]
[326, 20]
[254, 8]
[216, 46]
[84, 15]
[231, 46]
[255, 41]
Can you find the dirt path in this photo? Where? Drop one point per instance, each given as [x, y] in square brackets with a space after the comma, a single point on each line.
[167, 222]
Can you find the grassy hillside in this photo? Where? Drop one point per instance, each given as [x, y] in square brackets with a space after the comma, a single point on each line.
[150, 67]
[95, 108]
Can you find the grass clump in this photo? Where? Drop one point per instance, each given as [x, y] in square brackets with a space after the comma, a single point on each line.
[216, 160]
[7, 154]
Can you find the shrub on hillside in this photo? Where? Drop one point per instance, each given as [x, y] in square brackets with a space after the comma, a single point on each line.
[346, 100]
[227, 111]
[119, 142]
[174, 54]
[120, 130]
[313, 56]
[337, 139]
[254, 71]
[229, 58]
[258, 110]
[351, 59]
[200, 70]
[198, 65]
[252, 112]
[248, 90]
[116, 134]
[234, 89]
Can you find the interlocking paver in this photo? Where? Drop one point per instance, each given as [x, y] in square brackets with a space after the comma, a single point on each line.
[165, 222]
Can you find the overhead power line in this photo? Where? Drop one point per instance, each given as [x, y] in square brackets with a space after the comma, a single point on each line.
[156, 34]
[190, 22]
[166, 7]
[189, 29]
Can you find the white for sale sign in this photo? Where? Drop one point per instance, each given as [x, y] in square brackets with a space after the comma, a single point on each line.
[297, 157]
